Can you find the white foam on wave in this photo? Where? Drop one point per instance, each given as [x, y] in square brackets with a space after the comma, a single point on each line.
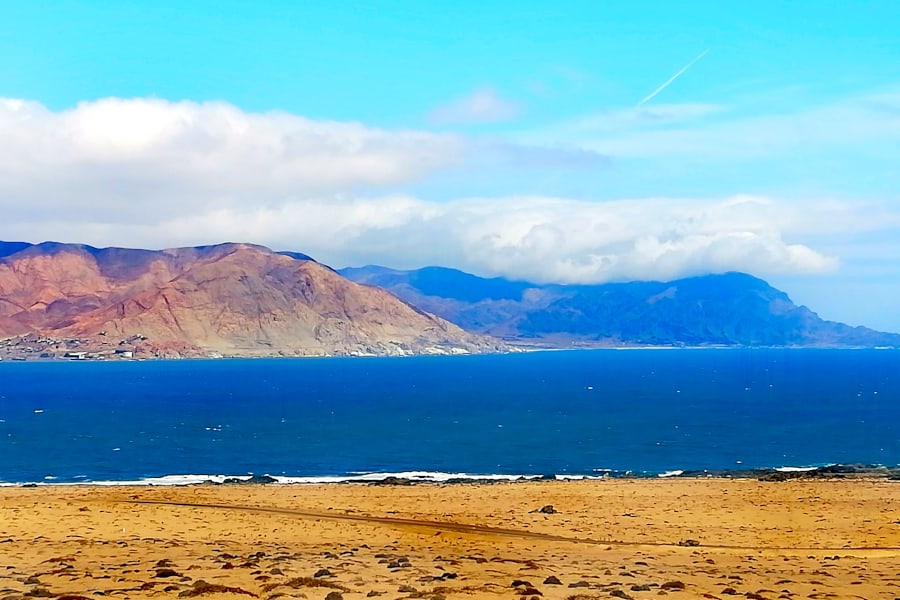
[166, 480]
[674, 473]
[359, 477]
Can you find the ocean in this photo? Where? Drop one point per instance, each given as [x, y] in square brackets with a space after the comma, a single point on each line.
[567, 413]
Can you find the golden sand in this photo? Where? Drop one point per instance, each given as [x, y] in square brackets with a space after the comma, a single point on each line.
[712, 538]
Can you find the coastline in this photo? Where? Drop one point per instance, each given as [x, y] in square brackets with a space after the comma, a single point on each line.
[28, 348]
[564, 539]
[410, 478]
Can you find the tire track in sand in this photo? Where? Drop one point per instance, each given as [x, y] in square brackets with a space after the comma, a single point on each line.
[487, 530]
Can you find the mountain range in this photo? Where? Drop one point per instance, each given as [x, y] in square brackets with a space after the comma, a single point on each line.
[245, 300]
[731, 309]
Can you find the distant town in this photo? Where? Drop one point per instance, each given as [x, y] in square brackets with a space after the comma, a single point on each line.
[39, 347]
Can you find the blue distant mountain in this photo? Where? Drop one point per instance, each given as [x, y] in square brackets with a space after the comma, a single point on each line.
[731, 309]
[9, 248]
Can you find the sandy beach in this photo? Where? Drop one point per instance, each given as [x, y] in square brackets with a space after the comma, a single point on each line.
[692, 538]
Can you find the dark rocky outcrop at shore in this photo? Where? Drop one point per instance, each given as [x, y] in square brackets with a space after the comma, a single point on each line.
[253, 480]
[393, 481]
[835, 472]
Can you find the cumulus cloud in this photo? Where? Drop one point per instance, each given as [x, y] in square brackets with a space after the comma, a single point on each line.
[151, 173]
[561, 240]
[533, 238]
[119, 155]
[484, 105]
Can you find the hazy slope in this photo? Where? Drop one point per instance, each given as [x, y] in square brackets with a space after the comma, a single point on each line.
[728, 309]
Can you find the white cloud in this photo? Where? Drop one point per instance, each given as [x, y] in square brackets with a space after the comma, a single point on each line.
[151, 173]
[484, 105]
[549, 239]
[535, 238]
[182, 157]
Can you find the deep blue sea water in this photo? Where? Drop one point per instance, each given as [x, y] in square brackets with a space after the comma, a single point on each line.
[575, 412]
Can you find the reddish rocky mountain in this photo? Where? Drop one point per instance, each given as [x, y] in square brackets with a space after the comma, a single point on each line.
[229, 299]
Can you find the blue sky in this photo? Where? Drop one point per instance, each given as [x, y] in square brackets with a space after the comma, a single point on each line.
[501, 138]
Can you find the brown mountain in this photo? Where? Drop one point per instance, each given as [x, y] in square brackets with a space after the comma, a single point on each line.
[232, 299]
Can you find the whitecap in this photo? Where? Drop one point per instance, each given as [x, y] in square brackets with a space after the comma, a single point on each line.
[674, 473]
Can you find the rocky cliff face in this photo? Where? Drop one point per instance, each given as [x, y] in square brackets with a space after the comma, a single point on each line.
[233, 299]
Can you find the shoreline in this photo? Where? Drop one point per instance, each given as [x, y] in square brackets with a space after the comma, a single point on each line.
[412, 478]
[89, 353]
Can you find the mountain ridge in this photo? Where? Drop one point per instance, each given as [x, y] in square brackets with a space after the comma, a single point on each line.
[246, 300]
[730, 309]
[228, 299]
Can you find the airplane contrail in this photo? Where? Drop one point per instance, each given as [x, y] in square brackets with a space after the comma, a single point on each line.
[669, 81]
